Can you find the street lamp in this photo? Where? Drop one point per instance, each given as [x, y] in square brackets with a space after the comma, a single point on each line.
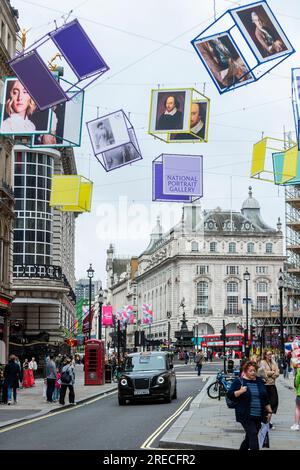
[169, 314]
[90, 273]
[246, 277]
[280, 287]
[100, 302]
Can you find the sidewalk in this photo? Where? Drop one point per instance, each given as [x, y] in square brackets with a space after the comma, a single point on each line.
[31, 403]
[210, 424]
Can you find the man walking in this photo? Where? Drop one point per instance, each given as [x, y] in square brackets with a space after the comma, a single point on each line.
[51, 378]
[199, 361]
[11, 378]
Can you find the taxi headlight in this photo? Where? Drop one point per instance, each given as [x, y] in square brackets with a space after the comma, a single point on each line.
[160, 380]
[123, 382]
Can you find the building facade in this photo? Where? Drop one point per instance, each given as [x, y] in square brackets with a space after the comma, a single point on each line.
[82, 289]
[44, 249]
[8, 39]
[202, 260]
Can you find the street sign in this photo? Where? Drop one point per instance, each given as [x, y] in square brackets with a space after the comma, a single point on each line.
[245, 300]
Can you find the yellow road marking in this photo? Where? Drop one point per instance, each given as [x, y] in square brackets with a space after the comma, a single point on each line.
[151, 439]
[55, 413]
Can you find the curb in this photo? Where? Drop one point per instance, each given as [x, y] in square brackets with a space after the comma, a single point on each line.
[55, 410]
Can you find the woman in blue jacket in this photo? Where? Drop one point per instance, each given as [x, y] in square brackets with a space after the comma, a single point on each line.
[253, 406]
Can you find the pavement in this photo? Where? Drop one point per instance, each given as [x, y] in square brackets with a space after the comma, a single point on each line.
[31, 403]
[210, 424]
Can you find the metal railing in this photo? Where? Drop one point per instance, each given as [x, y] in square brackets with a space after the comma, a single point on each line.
[203, 311]
[233, 311]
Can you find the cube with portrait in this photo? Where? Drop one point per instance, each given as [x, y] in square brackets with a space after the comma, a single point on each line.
[250, 44]
[113, 140]
[177, 178]
[179, 115]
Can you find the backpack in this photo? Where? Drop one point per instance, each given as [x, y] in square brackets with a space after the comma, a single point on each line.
[66, 377]
[232, 403]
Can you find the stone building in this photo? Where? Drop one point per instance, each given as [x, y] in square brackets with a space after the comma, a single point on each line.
[8, 39]
[44, 250]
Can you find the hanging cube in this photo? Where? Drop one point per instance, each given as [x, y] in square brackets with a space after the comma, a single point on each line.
[79, 52]
[263, 164]
[242, 45]
[287, 162]
[71, 193]
[177, 178]
[296, 101]
[113, 140]
[179, 115]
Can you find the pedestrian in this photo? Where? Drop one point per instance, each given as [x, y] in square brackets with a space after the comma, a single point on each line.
[11, 378]
[3, 399]
[17, 361]
[32, 369]
[295, 426]
[199, 361]
[51, 378]
[58, 362]
[26, 375]
[56, 393]
[67, 381]
[186, 357]
[252, 404]
[269, 372]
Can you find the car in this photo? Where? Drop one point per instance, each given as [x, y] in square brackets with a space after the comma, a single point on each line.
[147, 375]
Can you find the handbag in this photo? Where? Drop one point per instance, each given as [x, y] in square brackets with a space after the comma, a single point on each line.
[263, 435]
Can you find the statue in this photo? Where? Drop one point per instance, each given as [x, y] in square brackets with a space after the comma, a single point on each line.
[52, 66]
[23, 36]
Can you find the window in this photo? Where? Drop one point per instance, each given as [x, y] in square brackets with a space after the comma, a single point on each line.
[213, 247]
[269, 247]
[232, 247]
[262, 287]
[262, 303]
[261, 269]
[232, 270]
[195, 246]
[202, 269]
[232, 287]
[202, 297]
[250, 248]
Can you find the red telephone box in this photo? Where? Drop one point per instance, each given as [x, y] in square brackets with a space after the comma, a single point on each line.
[94, 362]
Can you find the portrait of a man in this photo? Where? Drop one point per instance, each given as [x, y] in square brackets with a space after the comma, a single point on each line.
[262, 30]
[223, 60]
[170, 111]
[197, 123]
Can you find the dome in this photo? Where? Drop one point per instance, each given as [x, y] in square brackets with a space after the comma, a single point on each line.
[250, 202]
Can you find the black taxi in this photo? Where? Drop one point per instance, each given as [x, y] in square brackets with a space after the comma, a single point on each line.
[147, 375]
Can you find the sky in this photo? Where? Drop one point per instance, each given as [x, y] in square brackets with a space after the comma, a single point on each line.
[147, 45]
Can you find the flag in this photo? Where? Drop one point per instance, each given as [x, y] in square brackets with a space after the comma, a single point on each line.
[147, 314]
[107, 315]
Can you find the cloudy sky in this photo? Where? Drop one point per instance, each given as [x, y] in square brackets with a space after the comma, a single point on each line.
[146, 45]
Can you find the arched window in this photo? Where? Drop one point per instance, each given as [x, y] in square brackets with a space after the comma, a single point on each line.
[195, 246]
[232, 298]
[269, 247]
[262, 287]
[202, 297]
[232, 247]
[250, 248]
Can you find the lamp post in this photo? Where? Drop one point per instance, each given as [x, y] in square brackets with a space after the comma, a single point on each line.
[169, 314]
[197, 325]
[90, 273]
[246, 277]
[280, 287]
[100, 302]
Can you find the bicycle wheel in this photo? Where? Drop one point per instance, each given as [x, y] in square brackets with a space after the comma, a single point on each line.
[213, 390]
[222, 391]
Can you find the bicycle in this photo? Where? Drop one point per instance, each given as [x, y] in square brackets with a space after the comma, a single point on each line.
[221, 386]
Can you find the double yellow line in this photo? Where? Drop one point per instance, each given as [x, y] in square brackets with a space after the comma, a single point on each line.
[148, 442]
[55, 413]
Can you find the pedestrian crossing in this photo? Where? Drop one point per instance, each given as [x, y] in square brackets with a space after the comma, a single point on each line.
[191, 376]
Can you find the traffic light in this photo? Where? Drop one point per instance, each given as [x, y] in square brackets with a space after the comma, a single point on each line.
[252, 331]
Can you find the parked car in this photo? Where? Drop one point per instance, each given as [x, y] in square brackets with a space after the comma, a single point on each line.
[149, 375]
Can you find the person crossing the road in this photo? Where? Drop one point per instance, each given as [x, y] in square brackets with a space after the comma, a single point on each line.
[199, 358]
